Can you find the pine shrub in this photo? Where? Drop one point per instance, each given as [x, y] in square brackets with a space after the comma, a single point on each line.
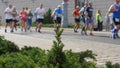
[7, 46]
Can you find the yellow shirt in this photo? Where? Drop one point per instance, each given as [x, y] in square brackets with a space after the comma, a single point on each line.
[27, 11]
[99, 17]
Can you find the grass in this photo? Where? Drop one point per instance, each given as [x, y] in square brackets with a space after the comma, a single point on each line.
[48, 25]
[52, 25]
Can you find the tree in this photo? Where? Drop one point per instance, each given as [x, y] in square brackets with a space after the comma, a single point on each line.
[56, 56]
[47, 18]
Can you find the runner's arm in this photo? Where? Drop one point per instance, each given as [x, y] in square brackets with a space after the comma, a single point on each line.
[112, 9]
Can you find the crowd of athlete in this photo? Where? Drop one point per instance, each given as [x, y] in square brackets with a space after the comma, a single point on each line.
[25, 16]
[84, 14]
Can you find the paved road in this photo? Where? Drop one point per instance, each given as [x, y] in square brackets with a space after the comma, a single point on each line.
[101, 43]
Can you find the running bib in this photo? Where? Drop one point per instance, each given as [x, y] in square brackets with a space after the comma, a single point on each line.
[77, 17]
[59, 15]
[29, 17]
[117, 20]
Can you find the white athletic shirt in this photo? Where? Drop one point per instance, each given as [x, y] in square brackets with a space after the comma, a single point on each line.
[8, 15]
[40, 13]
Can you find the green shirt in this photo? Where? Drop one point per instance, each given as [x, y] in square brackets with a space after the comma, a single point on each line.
[99, 17]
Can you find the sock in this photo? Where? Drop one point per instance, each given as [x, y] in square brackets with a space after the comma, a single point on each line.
[115, 30]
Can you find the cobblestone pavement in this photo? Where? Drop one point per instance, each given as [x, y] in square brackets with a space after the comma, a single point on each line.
[101, 43]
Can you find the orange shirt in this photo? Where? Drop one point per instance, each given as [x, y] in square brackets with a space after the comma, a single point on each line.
[76, 12]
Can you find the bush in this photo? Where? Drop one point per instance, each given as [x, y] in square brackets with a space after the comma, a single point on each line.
[16, 60]
[36, 54]
[7, 46]
[78, 60]
[33, 57]
[47, 18]
[70, 25]
[48, 25]
[110, 65]
[56, 56]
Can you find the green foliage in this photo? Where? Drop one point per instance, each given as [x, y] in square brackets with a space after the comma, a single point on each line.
[47, 17]
[78, 60]
[7, 46]
[56, 56]
[33, 57]
[48, 25]
[44, 25]
[35, 53]
[70, 25]
[34, 23]
[18, 60]
[86, 54]
[110, 65]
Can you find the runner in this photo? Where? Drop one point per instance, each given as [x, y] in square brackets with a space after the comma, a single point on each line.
[29, 20]
[8, 16]
[27, 10]
[76, 15]
[23, 16]
[40, 16]
[115, 9]
[89, 19]
[58, 13]
[82, 12]
[14, 15]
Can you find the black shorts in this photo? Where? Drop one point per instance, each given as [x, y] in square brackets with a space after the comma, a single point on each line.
[77, 20]
[40, 20]
[9, 20]
[58, 20]
[15, 21]
[116, 21]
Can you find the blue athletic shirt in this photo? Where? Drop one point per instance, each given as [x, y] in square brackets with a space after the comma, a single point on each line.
[59, 12]
[116, 14]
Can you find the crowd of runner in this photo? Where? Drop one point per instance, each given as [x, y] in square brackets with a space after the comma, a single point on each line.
[83, 14]
[25, 16]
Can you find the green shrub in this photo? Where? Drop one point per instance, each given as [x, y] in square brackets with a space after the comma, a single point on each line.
[33, 57]
[48, 25]
[7, 46]
[47, 17]
[16, 60]
[78, 60]
[86, 54]
[56, 56]
[35, 53]
[34, 23]
[70, 25]
[110, 65]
